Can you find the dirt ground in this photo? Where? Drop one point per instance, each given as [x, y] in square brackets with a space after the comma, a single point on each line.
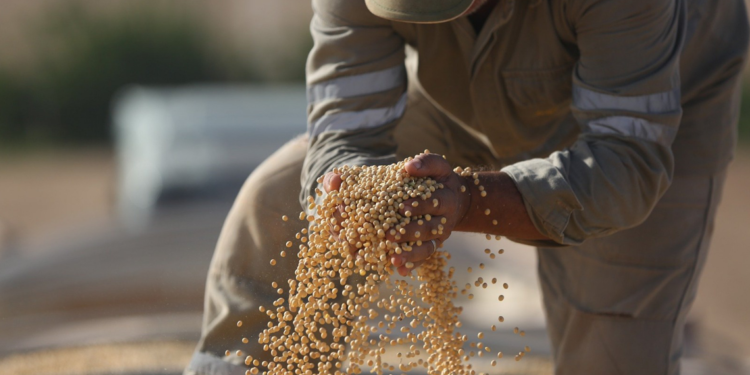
[722, 307]
[52, 192]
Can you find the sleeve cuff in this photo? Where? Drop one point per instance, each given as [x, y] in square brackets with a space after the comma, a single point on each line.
[548, 197]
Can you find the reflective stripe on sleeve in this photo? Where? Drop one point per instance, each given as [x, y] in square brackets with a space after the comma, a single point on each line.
[370, 118]
[662, 102]
[633, 127]
[363, 84]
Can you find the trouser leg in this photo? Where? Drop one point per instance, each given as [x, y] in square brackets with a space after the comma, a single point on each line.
[617, 305]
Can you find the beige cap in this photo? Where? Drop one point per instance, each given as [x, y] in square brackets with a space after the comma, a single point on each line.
[418, 11]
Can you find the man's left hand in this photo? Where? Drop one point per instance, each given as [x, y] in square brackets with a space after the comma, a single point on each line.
[447, 208]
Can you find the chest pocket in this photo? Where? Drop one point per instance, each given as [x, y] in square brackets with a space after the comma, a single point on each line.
[541, 95]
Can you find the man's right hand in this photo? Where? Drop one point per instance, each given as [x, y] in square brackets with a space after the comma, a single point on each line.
[332, 182]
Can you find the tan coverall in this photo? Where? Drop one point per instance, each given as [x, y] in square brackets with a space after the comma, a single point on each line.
[615, 118]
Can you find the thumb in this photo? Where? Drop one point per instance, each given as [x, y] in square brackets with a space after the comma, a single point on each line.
[331, 181]
[428, 165]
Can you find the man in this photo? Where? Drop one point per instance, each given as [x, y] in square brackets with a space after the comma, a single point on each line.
[607, 126]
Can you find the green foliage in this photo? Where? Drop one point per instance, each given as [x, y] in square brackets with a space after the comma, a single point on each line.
[99, 55]
[292, 67]
[744, 126]
[11, 98]
[83, 59]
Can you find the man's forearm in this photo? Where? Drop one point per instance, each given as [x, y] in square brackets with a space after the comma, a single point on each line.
[507, 212]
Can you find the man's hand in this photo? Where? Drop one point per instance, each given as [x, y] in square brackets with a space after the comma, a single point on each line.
[498, 210]
[446, 207]
[331, 182]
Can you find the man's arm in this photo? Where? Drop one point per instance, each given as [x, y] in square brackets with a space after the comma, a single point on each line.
[626, 97]
[356, 89]
[501, 211]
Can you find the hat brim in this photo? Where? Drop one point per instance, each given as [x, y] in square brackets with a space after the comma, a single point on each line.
[418, 11]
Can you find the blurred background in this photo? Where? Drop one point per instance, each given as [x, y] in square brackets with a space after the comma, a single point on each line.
[127, 128]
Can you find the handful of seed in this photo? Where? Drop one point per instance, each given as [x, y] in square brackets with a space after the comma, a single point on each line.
[335, 310]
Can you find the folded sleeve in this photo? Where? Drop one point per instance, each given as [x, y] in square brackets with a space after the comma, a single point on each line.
[626, 98]
[356, 88]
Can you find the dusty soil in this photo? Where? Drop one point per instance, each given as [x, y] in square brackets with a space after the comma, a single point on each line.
[722, 307]
[134, 358]
[54, 191]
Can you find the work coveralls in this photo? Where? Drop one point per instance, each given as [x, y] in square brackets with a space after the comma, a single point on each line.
[615, 118]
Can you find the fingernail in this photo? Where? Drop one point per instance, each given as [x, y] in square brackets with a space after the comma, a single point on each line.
[396, 261]
[416, 163]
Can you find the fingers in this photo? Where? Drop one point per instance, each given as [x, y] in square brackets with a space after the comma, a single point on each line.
[331, 181]
[441, 202]
[432, 165]
[409, 260]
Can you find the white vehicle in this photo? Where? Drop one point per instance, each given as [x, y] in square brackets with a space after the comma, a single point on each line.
[197, 143]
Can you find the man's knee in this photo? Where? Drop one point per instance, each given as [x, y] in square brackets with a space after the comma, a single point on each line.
[253, 233]
[630, 290]
[275, 184]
